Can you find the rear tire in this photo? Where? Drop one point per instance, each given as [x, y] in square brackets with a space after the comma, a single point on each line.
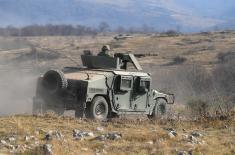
[98, 109]
[160, 109]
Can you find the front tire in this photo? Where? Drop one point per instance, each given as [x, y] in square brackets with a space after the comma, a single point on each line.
[160, 109]
[98, 109]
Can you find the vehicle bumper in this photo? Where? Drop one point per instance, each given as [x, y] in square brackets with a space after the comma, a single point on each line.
[170, 98]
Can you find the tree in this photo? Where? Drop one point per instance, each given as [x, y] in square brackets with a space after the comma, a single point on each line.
[120, 29]
[104, 27]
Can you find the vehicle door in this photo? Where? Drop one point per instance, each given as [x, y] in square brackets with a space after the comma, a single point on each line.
[122, 92]
[140, 94]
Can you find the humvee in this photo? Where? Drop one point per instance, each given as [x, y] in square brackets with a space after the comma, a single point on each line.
[103, 88]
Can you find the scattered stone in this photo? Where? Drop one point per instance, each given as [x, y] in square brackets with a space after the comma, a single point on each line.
[182, 153]
[149, 142]
[100, 129]
[114, 136]
[3, 142]
[9, 146]
[172, 134]
[27, 138]
[47, 149]
[193, 140]
[101, 138]
[196, 134]
[185, 136]
[48, 135]
[90, 134]
[12, 139]
[58, 135]
[80, 135]
[110, 136]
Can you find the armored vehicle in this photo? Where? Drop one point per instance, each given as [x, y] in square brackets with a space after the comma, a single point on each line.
[103, 88]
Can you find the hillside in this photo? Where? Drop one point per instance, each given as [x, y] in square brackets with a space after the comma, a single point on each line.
[170, 60]
[181, 64]
[162, 15]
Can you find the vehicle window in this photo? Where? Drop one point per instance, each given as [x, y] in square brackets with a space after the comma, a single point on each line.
[145, 84]
[126, 83]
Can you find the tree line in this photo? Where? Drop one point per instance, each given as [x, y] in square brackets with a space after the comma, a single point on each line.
[69, 30]
[48, 30]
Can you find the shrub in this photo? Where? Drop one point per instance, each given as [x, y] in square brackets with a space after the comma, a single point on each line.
[226, 57]
[198, 107]
[179, 60]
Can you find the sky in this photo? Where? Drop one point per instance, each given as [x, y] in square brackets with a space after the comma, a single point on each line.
[194, 14]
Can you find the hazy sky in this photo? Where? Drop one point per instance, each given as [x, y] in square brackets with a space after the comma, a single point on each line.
[186, 13]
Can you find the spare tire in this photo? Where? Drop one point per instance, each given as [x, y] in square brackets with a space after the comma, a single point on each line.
[54, 81]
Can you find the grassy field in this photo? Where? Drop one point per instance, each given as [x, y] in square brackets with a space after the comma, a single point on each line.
[22, 59]
[195, 48]
[139, 136]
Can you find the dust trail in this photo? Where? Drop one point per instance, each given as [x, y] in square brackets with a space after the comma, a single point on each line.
[16, 91]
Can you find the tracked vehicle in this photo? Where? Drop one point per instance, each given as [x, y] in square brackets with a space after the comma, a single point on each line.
[103, 88]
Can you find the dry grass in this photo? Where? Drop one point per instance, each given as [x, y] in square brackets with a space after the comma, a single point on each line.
[137, 134]
[140, 136]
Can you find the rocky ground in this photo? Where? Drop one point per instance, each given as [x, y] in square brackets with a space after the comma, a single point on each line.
[51, 134]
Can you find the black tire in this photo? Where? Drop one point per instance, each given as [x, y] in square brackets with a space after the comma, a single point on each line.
[160, 109]
[98, 109]
[54, 81]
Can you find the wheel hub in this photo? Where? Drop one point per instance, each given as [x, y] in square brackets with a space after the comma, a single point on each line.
[100, 109]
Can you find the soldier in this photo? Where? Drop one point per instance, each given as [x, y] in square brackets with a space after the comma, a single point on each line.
[105, 51]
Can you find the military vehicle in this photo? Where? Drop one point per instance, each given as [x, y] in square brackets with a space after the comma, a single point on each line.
[103, 88]
[122, 37]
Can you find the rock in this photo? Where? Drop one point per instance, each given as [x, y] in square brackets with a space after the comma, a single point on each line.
[90, 134]
[12, 139]
[58, 135]
[3, 142]
[185, 136]
[149, 142]
[196, 134]
[182, 153]
[110, 136]
[114, 136]
[47, 149]
[9, 146]
[49, 135]
[172, 134]
[26, 138]
[193, 140]
[100, 129]
[101, 138]
[80, 135]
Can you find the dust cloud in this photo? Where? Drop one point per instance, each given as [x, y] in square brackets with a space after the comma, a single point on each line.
[17, 88]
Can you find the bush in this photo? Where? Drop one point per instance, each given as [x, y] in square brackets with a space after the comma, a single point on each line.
[198, 107]
[172, 33]
[179, 60]
[226, 57]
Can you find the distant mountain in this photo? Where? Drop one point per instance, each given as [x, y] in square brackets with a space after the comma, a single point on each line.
[185, 15]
